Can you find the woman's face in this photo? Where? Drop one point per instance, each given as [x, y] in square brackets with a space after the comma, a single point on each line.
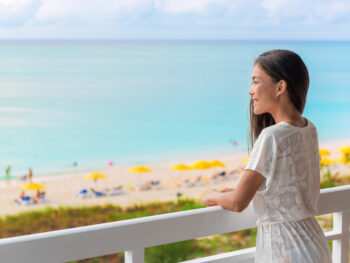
[262, 91]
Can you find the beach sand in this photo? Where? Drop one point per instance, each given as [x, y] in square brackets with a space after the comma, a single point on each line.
[61, 188]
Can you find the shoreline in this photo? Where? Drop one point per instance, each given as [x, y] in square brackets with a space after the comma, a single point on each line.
[186, 158]
[176, 158]
[61, 187]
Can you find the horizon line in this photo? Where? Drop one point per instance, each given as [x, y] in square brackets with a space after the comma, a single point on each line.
[166, 40]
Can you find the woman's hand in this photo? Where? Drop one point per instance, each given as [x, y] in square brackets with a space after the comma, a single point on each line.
[209, 198]
[225, 190]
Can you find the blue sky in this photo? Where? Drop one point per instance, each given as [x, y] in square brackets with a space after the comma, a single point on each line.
[175, 19]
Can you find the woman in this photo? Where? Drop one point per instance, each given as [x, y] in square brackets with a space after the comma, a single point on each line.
[282, 176]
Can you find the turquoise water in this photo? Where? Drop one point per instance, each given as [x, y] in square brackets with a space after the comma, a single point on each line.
[134, 102]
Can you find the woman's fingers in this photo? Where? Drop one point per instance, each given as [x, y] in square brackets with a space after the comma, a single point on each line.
[226, 190]
[208, 203]
[207, 200]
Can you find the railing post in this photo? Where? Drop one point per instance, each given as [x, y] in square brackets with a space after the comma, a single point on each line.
[136, 255]
[341, 222]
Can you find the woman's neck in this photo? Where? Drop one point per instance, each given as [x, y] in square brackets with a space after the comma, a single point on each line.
[291, 116]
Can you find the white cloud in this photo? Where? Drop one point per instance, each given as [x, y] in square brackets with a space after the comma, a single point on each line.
[320, 12]
[190, 6]
[68, 12]
[333, 11]
[17, 12]
[183, 15]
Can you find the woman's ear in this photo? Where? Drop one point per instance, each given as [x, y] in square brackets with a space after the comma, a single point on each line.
[281, 87]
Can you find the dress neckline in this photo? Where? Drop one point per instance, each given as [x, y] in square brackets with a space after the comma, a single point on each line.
[286, 124]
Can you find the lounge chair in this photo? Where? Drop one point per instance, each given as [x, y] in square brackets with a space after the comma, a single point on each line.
[26, 200]
[156, 185]
[144, 187]
[187, 184]
[199, 183]
[42, 200]
[98, 193]
[116, 191]
[82, 193]
[224, 177]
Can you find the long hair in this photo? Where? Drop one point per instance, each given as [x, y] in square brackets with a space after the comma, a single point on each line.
[280, 65]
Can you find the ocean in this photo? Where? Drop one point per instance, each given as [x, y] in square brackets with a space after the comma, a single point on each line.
[134, 102]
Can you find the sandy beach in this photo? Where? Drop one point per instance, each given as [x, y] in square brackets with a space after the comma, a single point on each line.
[61, 188]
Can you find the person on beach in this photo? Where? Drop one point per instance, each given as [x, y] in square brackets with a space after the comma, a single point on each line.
[8, 174]
[30, 174]
[23, 178]
[21, 195]
[282, 176]
[8, 171]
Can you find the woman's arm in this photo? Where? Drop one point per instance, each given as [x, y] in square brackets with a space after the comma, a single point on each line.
[238, 199]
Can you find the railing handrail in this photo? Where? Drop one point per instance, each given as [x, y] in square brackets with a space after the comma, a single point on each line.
[108, 238]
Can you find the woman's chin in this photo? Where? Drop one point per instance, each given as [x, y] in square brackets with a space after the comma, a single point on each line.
[258, 112]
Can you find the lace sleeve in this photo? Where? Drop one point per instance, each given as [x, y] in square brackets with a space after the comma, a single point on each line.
[263, 157]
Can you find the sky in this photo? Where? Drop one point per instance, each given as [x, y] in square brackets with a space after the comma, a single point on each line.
[175, 19]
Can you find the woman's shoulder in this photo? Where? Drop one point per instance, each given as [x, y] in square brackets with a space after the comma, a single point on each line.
[274, 131]
[282, 129]
[269, 135]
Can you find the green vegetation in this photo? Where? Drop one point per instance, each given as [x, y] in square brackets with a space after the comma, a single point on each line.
[50, 219]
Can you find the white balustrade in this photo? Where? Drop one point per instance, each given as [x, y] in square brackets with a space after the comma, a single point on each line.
[134, 235]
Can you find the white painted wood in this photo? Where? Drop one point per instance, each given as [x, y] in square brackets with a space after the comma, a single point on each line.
[240, 256]
[136, 234]
[341, 222]
[334, 199]
[332, 235]
[135, 256]
[109, 238]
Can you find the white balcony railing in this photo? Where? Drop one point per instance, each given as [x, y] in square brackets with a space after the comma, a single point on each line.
[134, 235]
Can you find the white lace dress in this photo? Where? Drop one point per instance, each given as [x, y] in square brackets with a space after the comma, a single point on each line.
[286, 201]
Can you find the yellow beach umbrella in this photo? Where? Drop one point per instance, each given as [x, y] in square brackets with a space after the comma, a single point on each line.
[345, 159]
[201, 165]
[342, 160]
[95, 176]
[324, 152]
[217, 163]
[33, 186]
[140, 170]
[345, 150]
[325, 161]
[180, 167]
[245, 160]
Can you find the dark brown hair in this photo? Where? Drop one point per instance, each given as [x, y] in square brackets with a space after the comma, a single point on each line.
[280, 65]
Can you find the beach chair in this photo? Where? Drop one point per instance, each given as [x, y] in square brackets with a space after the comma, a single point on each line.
[98, 193]
[116, 192]
[82, 193]
[214, 181]
[155, 185]
[224, 177]
[199, 183]
[143, 187]
[26, 200]
[187, 184]
[43, 200]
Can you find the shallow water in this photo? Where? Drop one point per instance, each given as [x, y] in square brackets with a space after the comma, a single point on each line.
[134, 102]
